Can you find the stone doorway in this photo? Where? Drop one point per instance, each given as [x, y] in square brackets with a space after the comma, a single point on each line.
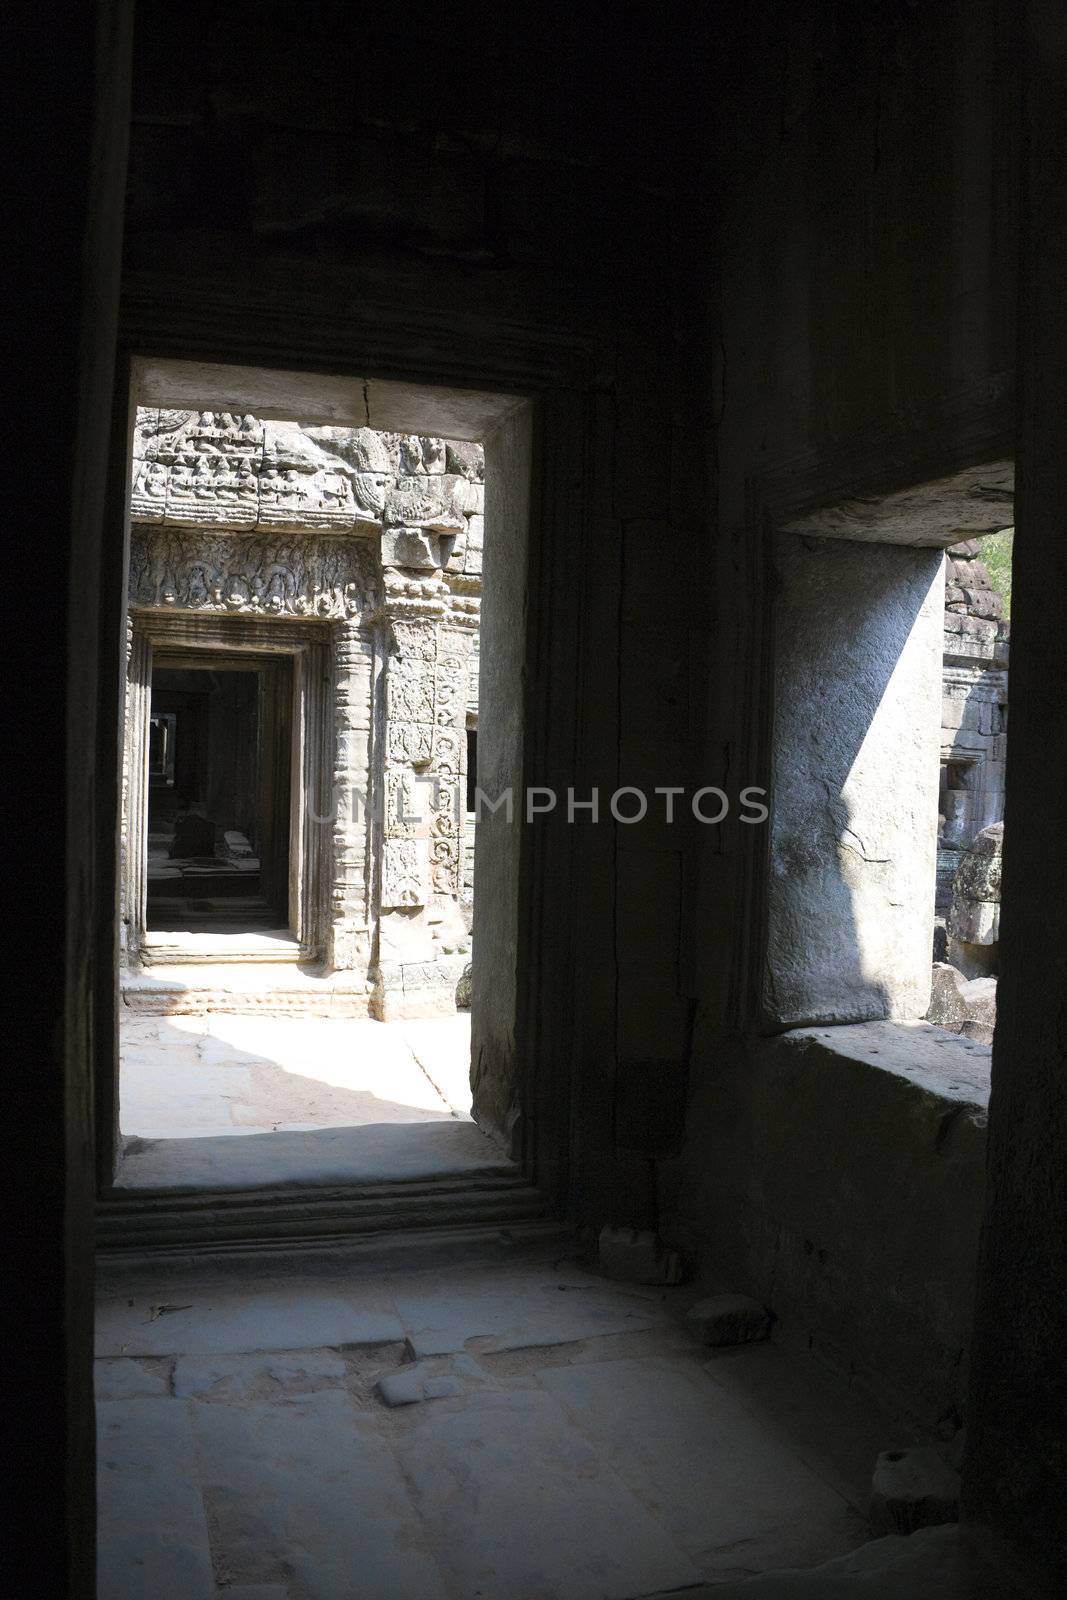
[297, 843]
[225, 768]
[217, 832]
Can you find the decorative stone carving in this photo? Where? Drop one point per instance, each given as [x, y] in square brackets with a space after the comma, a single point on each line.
[411, 598]
[974, 916]
[379, 536]
[206, 571]
[414, 641]
[974, 710]
[439, 503]
[348, 933]
[214, 469]
[304, 483]
[404, 873]
[410, 691]
[410, 741]
[420, 456]
[465, 460]
[406, 803]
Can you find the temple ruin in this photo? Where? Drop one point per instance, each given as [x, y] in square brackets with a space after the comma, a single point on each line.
[740, 1274]
[974, 740]
[336, 574]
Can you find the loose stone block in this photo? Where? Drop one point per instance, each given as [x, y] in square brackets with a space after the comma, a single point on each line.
[402, 1388]
[912, 1489]
[956, 1000]
[729, 1319]
[411, 1384]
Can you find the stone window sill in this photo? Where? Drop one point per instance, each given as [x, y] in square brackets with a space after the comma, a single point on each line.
[942, 1063]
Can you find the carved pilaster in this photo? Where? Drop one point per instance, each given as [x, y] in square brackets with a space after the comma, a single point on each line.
[449, 762]
[408, 751]
[353, 660]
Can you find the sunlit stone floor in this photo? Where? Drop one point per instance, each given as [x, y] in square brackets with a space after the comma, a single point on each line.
[584, 1445]
[186, 1077]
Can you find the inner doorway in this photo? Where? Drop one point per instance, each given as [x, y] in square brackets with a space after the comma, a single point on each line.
[304, 604]
[219, 773]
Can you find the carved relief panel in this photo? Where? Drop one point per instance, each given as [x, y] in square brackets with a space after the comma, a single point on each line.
[306, 577]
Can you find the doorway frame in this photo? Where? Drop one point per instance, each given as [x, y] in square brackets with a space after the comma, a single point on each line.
[548, 391]
[307, 645]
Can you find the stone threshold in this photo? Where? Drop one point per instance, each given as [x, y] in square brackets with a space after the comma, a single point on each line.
[257, 1191]
[244, 987]
[358, 1217]
[376, 1152]
[181, 945]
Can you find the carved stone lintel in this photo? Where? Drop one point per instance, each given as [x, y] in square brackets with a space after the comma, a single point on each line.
[309, 577]
[213, 469]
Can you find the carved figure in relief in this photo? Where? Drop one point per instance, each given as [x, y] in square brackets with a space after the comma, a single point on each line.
[302, 577]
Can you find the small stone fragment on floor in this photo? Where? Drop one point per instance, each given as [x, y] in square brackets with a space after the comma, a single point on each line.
[402, 1388]
[411, 1384]
[729, 1319]
[913, 1489]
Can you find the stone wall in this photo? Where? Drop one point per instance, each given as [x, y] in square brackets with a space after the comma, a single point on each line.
[866, 294]
[974, 717]
[378, 537]
[493, 200]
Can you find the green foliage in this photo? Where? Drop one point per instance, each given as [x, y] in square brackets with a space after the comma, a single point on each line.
[995, 551]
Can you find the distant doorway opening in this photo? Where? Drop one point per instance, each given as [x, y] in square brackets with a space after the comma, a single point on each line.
[217, 836]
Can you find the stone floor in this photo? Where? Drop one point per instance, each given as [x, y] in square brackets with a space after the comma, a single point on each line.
[580, 1445]
[185, 1077]
[241, 1101]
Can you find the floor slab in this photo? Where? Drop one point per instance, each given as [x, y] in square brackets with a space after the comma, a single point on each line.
[791, 1402]
[153, 1535]
[933, 1564]
[519, 1504]
[310, 1490]
[195, 1321]
[585, 1446]
[513, 1309]
[730, 1496]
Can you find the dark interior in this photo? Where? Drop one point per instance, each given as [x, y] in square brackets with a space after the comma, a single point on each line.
[218, 816]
